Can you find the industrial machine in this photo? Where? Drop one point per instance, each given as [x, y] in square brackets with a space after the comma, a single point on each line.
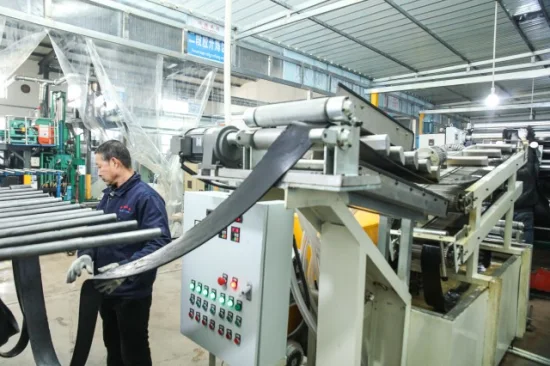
[452, 136]
[235, 288]
[45, 146]
[448, 268]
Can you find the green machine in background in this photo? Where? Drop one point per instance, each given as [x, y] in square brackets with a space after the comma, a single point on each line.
[65, 156]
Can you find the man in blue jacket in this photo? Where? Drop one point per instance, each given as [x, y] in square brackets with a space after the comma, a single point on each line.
[127, 303]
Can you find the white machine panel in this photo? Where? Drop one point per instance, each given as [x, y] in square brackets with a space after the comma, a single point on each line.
[429, 140]
[454, 136]
[235, 287]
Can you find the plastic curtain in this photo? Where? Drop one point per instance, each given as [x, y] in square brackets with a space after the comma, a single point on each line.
[144, 96]
[18, 42]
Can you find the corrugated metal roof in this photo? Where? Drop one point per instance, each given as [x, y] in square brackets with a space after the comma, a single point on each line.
[382, 38]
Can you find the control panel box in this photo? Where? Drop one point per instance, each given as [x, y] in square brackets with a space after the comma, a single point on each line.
[236, 287]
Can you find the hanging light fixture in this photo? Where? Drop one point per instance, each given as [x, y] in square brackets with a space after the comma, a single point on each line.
[492, 99]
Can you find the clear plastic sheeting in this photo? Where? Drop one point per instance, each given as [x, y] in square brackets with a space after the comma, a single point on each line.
[18, 41]
[145, 97]
[34, 7]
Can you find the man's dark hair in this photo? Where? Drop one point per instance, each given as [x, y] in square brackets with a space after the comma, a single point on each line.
[115, 149]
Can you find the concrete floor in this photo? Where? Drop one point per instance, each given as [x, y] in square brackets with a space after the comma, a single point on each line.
[168, 346]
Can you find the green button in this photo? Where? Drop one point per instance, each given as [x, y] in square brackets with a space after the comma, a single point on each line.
[222, 300]
[192, 286]
[205, 292]
[213, 295]
[198, 289]
[230, 303]
[238, 307]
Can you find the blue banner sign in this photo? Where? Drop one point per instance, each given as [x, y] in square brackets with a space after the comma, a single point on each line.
[205, 47]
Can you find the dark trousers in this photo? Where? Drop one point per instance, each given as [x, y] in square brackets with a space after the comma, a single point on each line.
[125, 331]
[528, 219]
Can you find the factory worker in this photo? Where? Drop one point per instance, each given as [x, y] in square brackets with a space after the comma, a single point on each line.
[126, 303]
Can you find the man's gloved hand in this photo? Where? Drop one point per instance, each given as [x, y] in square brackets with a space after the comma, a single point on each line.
[84, 262]
[107, 287]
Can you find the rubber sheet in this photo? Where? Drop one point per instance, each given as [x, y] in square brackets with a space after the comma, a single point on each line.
[289, 147]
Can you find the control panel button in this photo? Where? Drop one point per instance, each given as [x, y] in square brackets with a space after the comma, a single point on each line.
[212, 324]
[234, 283]
[231, 301]
[238, 321]
[222, 313]
[222, 280]
[229, 334]
[213, 309]
[221, 299]
[198, 316]
[237, 339]
[205, 305]
[192, 299]
[191, 313]
[239, 220]
[236, 234]
[192, 285]
[213, 295]
[229, 317]
[204, 320]
[198, 302]
[205, 291]
[198, 288]
[221, 330]
[239, 305]
[223, 234]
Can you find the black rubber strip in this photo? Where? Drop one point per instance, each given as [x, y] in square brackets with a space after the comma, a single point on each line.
[289, 147]
[430, 263]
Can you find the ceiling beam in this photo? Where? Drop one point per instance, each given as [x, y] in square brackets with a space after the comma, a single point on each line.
[519, 75]
[434, 36]
[296, 17]
[487, 108]
[544, 12]
[518, 28]
[349, 36]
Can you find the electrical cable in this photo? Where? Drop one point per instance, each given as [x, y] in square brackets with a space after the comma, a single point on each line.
[190, 171]
[301, 273]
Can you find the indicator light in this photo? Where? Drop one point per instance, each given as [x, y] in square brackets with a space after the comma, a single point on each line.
[191, 313]
[198, 288]
[213, 295]
[229, 334]
[221, 330]
[229, 317]
[205, 291]
[222, 313]
[234, 283]
[204, 320]
[230, 302]
[238, 321]
[205, 305]
[213, 309]
[239, 305]
[192, 299]
[198, 317]
[192, 285]
[212, 325]
[237, 339]
[222, 299]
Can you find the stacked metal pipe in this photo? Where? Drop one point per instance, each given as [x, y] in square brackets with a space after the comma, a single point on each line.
[34, 224]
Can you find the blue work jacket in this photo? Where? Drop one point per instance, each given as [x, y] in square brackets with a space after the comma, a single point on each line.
[134, 200]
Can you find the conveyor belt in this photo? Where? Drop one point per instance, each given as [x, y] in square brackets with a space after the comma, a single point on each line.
[280, 157]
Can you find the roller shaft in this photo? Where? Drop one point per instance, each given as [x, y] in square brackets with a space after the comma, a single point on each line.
[18, 209]
[5, 224]
[27, 202]
[397, 154]
[40, 210]
[79, 244]
[69, 233]
[411, 159]
[379, 143]
[32, 217]
[52, 226]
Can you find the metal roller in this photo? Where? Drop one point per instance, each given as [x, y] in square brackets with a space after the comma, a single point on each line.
[515, 224]
[536, 125]
[397, 154]
[467, 161]
[411, 159]
[27, 202]
[321, 110]
[8, 223]
[38, 210]
[425, 166]
[17, 209]
[17, 191]
[23, 196]
[502, 147]
[491, 153]
[48, 216]
[436, 154]
[379, 143]
[52, 226]
[79, 244]
[69, 233]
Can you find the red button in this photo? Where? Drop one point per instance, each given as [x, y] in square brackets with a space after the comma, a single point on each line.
[204, 322]
[190, 315]
[222, 281]
[228, 336]
[197, 318]
[237, 341]
[220, 331]
[212, 326]
[234, 285]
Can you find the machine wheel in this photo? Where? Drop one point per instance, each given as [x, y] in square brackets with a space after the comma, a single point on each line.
[294, 354]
